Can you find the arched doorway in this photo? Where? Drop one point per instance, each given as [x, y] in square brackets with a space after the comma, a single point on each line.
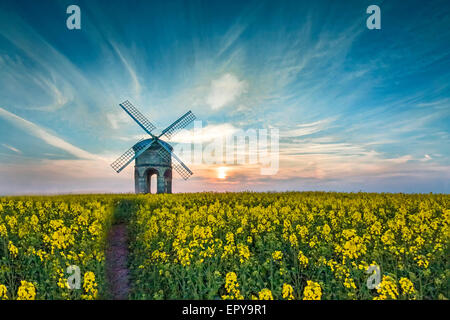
[152, 178]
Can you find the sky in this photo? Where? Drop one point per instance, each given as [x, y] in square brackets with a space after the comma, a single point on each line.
[356, 109]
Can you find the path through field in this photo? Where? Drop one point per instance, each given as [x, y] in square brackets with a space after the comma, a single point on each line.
[116, 262]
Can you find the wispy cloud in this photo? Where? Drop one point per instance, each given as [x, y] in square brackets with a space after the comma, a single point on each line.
[307, 128]
[39, 132]
[10, 147]
[131, 70]
[231, 37]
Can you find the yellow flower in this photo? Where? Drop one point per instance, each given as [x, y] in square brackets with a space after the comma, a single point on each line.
[34, 220]
[277, 255]
[407, 286]
[349, 283]
[89, 286]
[302, 231]
[95, 228]
[231, 286]
[312, 291]
[293, 240]
[26, 291]
[387, 289]
[184, 256]
[265, 294]
[422, 261]
[230, 238]
[388, 237]
[12, 221]
[326, 229]
[288, 292]
[302, 259]
[12, 249]
[244, 252]
[62, 283]
[3, 292]
[3, 231]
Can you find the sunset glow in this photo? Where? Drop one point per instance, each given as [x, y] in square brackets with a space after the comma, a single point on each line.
[222, 173]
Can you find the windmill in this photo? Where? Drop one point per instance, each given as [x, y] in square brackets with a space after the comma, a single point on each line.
[153, 155]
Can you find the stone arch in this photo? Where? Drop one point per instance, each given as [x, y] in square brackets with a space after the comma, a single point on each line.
[168, 181]
[148, 179]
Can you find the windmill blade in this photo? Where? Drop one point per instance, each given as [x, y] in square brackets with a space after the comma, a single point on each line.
[175, 127]
[131, 154]
[178, 165]
[137, 116]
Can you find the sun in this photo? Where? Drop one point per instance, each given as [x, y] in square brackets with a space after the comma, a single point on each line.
[222, 173]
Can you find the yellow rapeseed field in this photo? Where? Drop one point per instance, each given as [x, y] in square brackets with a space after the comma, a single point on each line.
[41, 236]
[290, 246]
[309, 245]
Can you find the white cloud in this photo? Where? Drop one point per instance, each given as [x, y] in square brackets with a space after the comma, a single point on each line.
[113, 120]
[341, 162]
[307, 128]
[400, 160]
[225, 90]
[439, 104]
[208, 133]
[128, 67]
[198, 134]
[118, 118]
[49, 138]
[11, 148]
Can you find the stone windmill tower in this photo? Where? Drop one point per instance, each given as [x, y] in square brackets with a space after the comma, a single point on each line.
[153, 156]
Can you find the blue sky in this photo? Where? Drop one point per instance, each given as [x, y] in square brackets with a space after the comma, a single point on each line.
[356, 109]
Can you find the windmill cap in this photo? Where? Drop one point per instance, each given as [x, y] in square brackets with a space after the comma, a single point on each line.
[143, 142]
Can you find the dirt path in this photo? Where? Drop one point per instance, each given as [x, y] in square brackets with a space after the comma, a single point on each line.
[116, 262]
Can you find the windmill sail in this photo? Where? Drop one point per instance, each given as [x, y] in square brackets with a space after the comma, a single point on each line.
[140, 147]
[137, 116]
[177, 164]
[129, 155]
[175, 127]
